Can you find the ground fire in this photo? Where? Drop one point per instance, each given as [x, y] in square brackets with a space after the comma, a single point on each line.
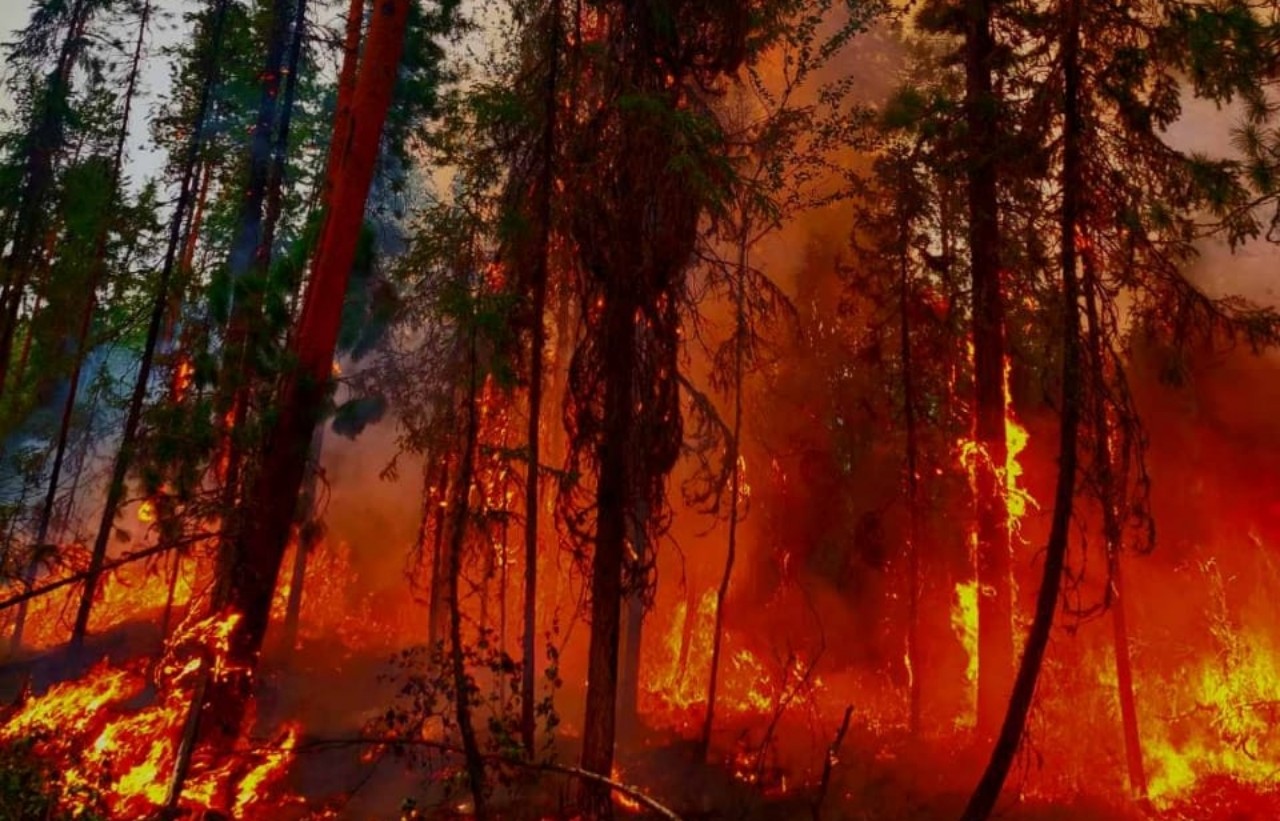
[682, 409]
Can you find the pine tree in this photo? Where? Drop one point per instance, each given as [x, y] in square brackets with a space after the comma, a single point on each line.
[107, 181]
[160, 304]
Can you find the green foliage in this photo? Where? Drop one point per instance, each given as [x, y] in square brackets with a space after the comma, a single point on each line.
[32, 788]
[423, 706]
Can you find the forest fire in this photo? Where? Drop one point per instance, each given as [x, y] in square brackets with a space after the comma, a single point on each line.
[669, 410]
[115, 755]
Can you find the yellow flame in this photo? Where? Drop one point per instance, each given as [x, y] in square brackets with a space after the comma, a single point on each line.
[964, 623]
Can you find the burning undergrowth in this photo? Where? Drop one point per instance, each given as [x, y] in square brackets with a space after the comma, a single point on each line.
[117, 738]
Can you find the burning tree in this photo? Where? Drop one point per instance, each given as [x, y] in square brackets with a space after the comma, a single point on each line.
[605, 273]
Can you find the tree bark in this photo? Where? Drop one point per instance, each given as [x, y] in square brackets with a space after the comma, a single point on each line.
[995, 600]
[272, 499]
[437, 616]
[280, 149]
[133, 417]
[462, 684]
[614, 482]
[308, 538]
[914, 694]
[249, 259]
[633, 628]
[983, 800]
[537, 344]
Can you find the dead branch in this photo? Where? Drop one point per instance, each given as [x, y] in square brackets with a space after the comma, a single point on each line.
[829, 763]
[37, 592]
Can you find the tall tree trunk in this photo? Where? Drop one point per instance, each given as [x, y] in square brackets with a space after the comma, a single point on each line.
[249, 259]
[347, 76]
[983, 800]
[308, 538]
[1111, 526]
[735, 483]
[537, 353]
[272, 499]
[197, 220]
[915, 670]
[995, 600]
[633, 627]
[614, 482]
[98, 271]
[120, 469]
[280, 150]
[437, 615]
[462, 684]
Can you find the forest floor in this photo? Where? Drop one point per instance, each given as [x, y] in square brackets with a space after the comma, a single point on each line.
[335, 693]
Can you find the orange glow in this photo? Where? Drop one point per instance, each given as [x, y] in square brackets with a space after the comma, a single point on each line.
[620, 800]
[964, 623]
[1017, 500]
[183, 377]
[86, 726]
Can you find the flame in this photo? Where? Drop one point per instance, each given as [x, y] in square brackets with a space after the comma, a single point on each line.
[621, 800]
[964, 623]
[330, 607]
[1223, 718]
[183, 377]
[147, 512]
[972, 453]
[96, 739]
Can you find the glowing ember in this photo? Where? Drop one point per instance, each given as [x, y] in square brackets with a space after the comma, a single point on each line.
[621, 800]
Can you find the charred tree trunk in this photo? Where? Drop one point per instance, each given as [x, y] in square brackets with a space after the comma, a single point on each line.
[280, 150]
[633, 622]
[272, 499]
[537, 353]
[309, 531]
[120, 469]
[436, 598]
[988, 790]
[249, 258]
[1124, 678]
[463, 687]
[98, 271]
[735, 485]
[1111, 527]
[614, 482]
[995, 599]
[912, 478]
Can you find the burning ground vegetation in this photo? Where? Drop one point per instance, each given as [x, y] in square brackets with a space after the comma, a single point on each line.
[680, 409]
[353, 716]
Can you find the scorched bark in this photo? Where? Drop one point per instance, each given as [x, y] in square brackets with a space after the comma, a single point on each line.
[271, 498]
